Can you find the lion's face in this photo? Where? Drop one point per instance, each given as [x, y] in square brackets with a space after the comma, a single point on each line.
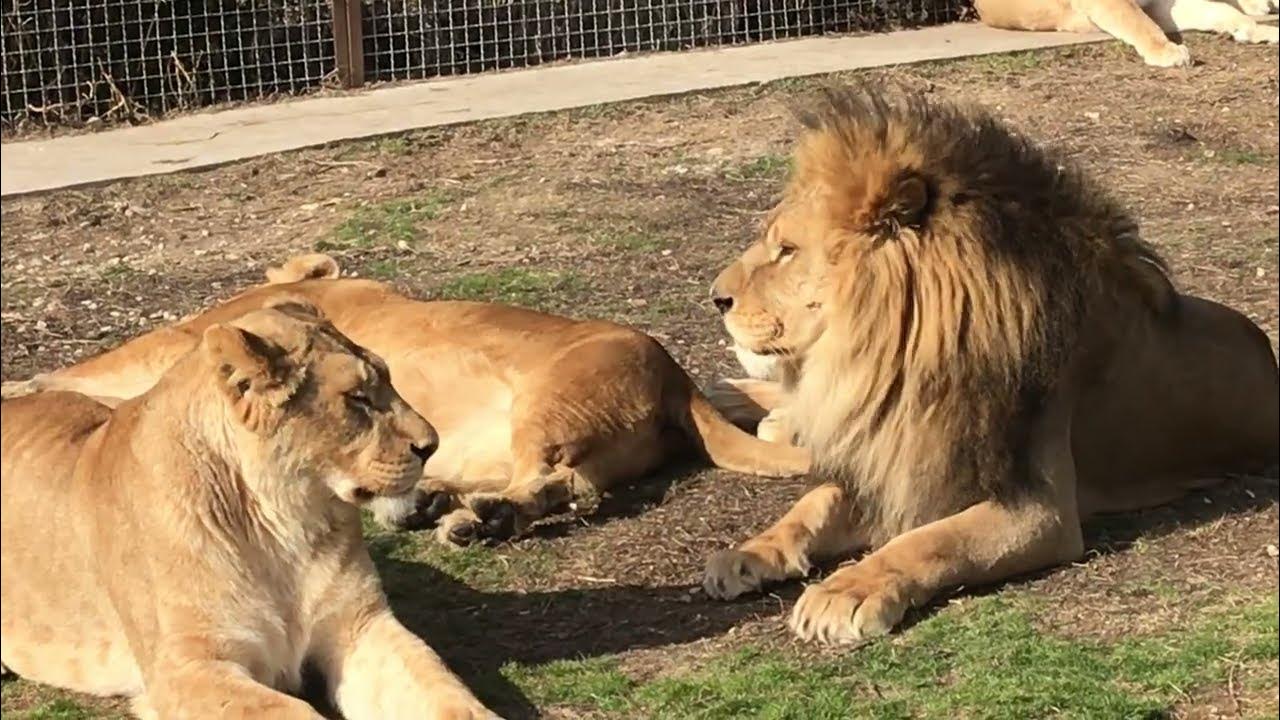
[320, 407]
[771, 297]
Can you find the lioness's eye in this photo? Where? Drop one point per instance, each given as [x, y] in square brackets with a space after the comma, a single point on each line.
[786, 250]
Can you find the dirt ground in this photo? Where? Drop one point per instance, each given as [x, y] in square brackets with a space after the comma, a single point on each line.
[627, 212]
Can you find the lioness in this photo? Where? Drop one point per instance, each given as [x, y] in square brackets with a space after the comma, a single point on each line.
[535, 411]
[193, 547]
[979, 350]
[1139, 23]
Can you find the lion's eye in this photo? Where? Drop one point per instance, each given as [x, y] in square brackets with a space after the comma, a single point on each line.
[359, 399]
[786, 250]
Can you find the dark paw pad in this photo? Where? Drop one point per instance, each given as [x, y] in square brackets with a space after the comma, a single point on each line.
[428, 508]
[497, 519]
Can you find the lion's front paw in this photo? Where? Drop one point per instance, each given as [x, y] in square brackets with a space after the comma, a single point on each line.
[851, 605]
[1168, 55]
[776, 428]
[731, 573]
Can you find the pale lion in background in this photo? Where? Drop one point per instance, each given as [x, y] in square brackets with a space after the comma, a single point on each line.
[1143, 24]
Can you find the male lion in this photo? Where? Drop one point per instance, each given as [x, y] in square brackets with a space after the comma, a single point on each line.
[981, 352]
[1139, 23]
[535, 411]
[196, 545]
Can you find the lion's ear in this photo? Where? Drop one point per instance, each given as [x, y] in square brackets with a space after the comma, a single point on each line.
[904, 204]
[247, 365]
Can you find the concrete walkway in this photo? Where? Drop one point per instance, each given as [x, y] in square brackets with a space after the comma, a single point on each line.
[212, 138]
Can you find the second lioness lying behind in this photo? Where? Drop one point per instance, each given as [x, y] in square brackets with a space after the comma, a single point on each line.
[534, 411]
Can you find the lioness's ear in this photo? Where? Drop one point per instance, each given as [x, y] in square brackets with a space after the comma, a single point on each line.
[245, 363]
[313, 266]
[294, 306]
[904, 204]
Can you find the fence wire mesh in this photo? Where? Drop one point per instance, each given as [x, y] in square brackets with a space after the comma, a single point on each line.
[412, 39]
[77, 61]
[72, 62]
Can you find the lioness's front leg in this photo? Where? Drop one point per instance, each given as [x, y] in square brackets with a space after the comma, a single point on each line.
[378, 670]
[208, 688]
[819, 525]
[1126, 22]
[987, 542]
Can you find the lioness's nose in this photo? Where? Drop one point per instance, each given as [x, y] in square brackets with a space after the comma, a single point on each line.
[425, 449]
[723, 303]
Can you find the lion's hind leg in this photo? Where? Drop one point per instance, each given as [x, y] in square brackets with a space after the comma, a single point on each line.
[820, 525]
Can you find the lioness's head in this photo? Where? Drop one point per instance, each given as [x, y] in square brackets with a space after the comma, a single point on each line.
[317, 406]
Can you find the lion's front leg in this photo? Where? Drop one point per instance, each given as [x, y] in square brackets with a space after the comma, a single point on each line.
[819, 525]
[381, 671]
[988, 542]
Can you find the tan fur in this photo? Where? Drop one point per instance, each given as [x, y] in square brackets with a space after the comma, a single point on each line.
[536, 412]
[984, 352]
[1142, 24]
[193, 547]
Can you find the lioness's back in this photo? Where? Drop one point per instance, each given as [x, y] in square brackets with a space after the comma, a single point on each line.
[52, 611]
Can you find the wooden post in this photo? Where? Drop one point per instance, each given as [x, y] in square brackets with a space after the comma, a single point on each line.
[348, 42]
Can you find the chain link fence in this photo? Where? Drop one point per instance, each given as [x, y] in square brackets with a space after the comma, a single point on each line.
[78, 62]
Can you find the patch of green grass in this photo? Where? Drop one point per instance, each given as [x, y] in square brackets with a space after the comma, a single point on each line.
[1241, 156]
[385, 223]
[393, 145]
[117, 271]
[765, 166]
[519, 286]
[24, 700]
[475, 565]
[60, 709]
[986, 660]
[1008, 63]
[383, 269]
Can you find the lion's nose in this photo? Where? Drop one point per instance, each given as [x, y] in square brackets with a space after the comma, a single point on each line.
[424, 450]
[723, 303]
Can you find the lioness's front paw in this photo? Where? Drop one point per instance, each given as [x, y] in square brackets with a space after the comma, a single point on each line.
[418, 510]
[1258, 33]
[731, 573]
[1168, 55]
[851, 605]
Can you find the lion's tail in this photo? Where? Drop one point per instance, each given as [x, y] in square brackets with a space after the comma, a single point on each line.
[729, 447]
[312, 266]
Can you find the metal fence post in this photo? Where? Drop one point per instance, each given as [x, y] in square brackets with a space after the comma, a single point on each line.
[348, 42]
